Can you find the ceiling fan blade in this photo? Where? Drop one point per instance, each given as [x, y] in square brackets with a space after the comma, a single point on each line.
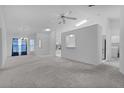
[72, 18]
[91, 5]
[68, 13]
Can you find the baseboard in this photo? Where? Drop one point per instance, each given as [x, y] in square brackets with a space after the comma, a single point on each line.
[80, 61]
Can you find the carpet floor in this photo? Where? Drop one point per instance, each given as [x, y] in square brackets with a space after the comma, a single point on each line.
[55, 72]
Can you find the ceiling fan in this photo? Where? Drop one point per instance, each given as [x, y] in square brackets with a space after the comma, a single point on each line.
[91, 5]
[64, 16]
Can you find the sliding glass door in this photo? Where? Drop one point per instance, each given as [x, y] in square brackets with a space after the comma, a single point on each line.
[24, 47]
[19, 46]
[15, 47]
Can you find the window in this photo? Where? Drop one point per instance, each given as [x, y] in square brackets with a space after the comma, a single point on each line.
[31, 45]
[40, 44]
[70, 40]
[15, 48]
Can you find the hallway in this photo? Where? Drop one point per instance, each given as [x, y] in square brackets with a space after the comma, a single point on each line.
[32, 71]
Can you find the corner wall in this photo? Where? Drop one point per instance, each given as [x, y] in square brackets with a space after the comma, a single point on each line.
[0, 47]
[3, 31]
[122, 42]
[47, 44]
[88, 45]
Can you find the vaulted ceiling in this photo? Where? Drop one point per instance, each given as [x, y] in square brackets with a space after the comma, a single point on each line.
[36, 18]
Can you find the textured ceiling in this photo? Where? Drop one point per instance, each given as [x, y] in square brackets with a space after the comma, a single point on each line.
[36, 18]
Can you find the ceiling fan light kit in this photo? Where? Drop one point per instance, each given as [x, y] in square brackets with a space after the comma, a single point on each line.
[62, 17]
[91, 5]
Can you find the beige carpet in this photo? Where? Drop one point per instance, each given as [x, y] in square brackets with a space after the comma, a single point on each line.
[52, 72]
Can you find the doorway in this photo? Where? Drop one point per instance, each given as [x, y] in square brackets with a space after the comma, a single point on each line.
[104, 47]
[115, 51]
[19, 46]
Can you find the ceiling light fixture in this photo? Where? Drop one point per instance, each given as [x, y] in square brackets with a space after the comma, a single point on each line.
[71, 35]
[81, 23]
[47, 29]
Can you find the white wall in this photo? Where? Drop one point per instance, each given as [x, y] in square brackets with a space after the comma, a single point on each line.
[122, 42]
[47, 43]
[0, 46]
[44, 37]
[53, 43]
[88, 46]
[3, 36]
[115, 27]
